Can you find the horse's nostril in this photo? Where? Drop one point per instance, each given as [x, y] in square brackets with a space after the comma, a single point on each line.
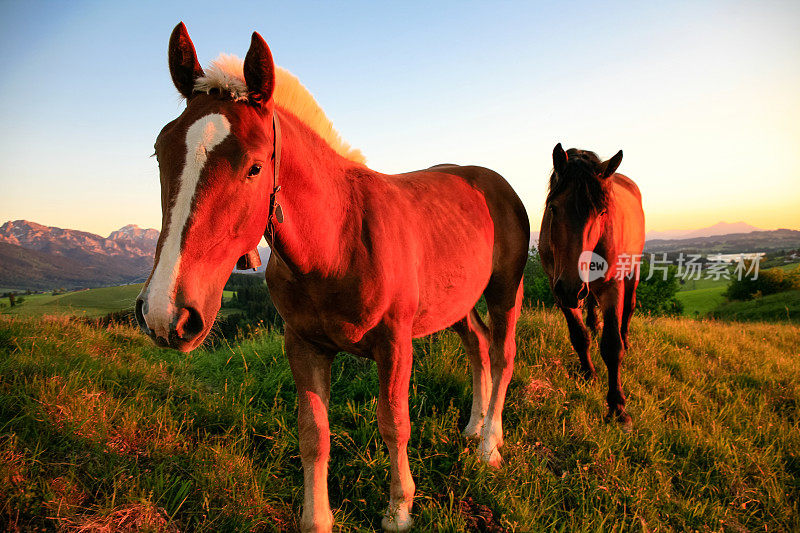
[189, 324]
[140, 314]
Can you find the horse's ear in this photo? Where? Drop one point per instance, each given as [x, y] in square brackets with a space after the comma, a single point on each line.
[559, 159]
[259, 70]
[183, 65]
[608, 168]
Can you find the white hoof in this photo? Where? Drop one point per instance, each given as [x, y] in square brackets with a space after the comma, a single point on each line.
[397, 521]
[491, 457]
[473, 430]
[322, 525]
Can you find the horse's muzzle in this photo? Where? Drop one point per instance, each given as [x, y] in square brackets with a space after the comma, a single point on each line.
[184, 330]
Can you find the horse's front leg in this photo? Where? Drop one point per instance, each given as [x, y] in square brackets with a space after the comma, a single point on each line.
[612, 349]
[311, 368]
[393, 358]
[579, 336]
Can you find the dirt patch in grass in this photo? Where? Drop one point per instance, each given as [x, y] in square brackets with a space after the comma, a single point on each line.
[479, 517]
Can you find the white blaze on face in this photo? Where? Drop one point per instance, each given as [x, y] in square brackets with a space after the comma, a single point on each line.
[201, 138]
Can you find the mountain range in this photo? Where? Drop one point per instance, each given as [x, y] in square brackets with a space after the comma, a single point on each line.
[720, 228]
[34, 256]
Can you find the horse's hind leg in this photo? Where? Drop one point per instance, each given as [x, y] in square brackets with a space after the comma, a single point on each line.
[579, 337]
[504, 302]
[475, 337]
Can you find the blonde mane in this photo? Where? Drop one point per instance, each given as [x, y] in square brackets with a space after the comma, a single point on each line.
[226, 74]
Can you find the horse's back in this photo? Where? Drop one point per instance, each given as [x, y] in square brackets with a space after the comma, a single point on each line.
[480, 230]
[629, 213]
[508, 213]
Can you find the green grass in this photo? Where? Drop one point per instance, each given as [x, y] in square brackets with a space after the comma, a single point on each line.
[700, 296]
[789, 266]
[702, 283]
[99, 428]
[780, 307]
[701, 301]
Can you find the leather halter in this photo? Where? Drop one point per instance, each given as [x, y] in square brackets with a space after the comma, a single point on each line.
[276, 158]
[252, 259]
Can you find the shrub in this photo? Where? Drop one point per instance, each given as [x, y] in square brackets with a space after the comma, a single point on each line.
[243, 280]
[658, 295]
[769, 281]
[536, 283]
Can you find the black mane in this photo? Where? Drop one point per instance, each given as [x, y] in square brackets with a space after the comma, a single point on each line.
[581, 178]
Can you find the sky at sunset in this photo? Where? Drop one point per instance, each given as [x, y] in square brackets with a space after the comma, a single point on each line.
[703, 97]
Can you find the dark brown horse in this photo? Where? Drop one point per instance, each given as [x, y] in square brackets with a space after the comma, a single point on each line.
[591, 243]
[362, 262]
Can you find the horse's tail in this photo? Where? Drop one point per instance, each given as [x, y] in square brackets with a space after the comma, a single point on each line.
[520, 296]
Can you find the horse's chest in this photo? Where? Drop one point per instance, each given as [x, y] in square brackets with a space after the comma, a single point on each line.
[329, 313]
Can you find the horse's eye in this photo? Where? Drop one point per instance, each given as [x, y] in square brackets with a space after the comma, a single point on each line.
[254, 171]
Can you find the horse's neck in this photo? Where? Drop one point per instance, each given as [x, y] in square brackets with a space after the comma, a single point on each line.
[315, 199]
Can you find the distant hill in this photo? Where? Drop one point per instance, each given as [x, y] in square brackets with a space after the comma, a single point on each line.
[34, 256]
[32, 269]
[720, 228]
[754, 241]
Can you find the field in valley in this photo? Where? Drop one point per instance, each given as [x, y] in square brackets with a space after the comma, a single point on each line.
[704, 296]
[102, 429]
[86, 303]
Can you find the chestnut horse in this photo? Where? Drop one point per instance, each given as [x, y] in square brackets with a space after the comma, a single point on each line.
[590, 244]
[362, 262]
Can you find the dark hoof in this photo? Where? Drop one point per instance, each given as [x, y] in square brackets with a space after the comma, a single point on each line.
[621, 418]
[589, 375]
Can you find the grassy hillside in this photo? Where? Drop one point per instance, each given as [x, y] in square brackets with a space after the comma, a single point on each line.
[102, 429]
[704, 296]
[779, 307]
[702, 300]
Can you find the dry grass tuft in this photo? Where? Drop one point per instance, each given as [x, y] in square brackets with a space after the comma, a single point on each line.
[96, 416]
[537, 390]
[127, 519]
